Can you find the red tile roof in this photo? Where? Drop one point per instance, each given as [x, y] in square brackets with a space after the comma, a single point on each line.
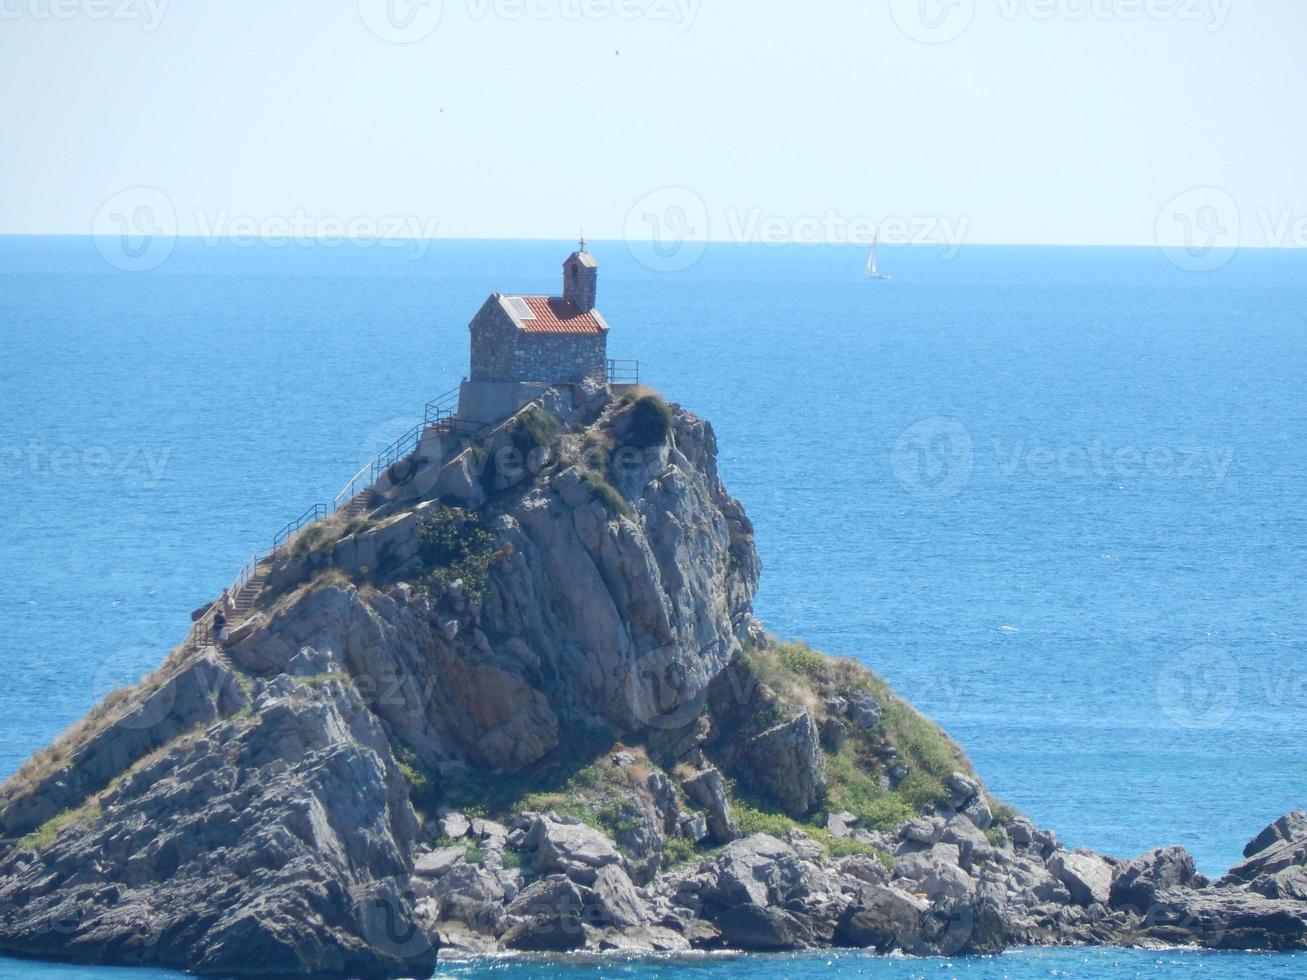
[552, 314]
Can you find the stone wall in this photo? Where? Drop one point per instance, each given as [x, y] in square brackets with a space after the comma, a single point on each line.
[570, 358]
[494, 344]
[502, 353]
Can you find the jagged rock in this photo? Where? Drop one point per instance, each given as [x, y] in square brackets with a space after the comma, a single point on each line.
[1280, 846]
[454, 825]
[1291, 883]
[1087, 876]
[1228, 918]
[884, 919]
[707, 789]
[925, 830]
[868, 870]
[572, 849]
[615, 900]
[244, 812]
[1021, 831]
[804, 846]
[640, 939]
[1139, 881]
[787, 764]
[973, 846]
[753, 927]
[435, 864]
[546, 917]
[979, 813]
[738, 875]
[471, 895]
[841, 824]
[963, 789]
[863, 710]
[663, 793]
[834, 734]
[693, 827]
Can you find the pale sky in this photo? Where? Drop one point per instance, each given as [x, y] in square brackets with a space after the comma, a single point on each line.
[1008, 121]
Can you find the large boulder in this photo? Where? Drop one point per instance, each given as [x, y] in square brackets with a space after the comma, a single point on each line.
[1139, 881]
[1280, 846]
[883, 918]
[547, 916]
[571, 848]
[740, 873]
[762, 929]
[615, 900]
[786, 764]
[1087, 876]
[707, 789]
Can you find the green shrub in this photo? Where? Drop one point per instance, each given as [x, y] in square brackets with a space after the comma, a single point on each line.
[534, 429]
[651, 422]
[678, 851]
[474, 855]
[455, 544]
[613, 500]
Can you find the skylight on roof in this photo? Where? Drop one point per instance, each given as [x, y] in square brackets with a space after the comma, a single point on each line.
[521, 308]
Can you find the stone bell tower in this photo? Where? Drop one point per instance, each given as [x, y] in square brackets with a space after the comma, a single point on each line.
[581, 279]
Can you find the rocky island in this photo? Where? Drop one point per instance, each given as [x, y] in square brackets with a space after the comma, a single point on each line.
[513, 697]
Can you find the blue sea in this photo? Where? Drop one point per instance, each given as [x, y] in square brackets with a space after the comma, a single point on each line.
[1056, 496]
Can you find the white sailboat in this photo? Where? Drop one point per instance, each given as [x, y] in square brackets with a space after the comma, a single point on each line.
[873, 270]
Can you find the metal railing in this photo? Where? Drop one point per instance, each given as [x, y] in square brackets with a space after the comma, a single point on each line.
[314, 513]
[623, 372]
[439, 414]
[444, 407]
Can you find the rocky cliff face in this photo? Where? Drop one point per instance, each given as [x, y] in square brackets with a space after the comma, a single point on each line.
[523, 704]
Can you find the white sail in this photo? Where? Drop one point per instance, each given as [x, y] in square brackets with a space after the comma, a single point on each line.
[873, 269]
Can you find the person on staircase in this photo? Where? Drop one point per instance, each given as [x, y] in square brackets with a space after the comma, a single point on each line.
[220, 626]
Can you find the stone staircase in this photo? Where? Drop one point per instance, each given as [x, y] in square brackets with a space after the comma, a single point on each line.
[356, 500]
[248, 594]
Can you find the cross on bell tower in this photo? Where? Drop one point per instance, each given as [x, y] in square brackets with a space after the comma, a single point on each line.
[581, 278]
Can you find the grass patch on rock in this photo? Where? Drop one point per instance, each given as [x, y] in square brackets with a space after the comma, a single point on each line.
[44, 836]
[801, 678]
